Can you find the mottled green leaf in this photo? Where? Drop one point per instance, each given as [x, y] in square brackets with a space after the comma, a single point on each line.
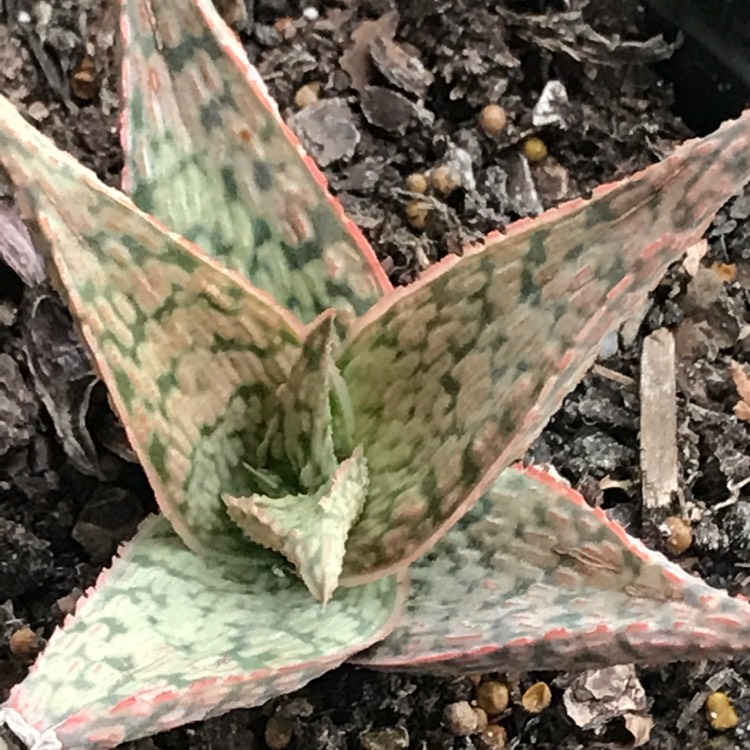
[300, 437]
[452, 378]
[166, 638]
[309, 530]
[192, 355]
[533, 578]
[207, 152]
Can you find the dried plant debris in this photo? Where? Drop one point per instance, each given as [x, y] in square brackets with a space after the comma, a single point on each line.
[17, 250]
[659, 453]
[471, 47]
[387, 109]
[597, 696]
[742, 383]
[328, 130]
[18, 407]
[374, 49]
[569, 33]
[62, 375]
[552, 107]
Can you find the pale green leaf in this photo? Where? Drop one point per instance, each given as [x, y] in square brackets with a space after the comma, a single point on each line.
[533, 578]
[452, 378]
[299, 443]
[309, 530]
[166, 638]
[207, 153]
[192, 355]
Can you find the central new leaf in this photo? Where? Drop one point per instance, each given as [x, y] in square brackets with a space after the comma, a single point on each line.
[309, 530]
[308, 494]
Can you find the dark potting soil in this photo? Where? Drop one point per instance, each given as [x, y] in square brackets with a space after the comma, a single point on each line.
[69, 492]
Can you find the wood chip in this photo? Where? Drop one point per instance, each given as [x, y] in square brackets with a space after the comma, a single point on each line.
[659, 457]
[742, 383]
[613, 375]
[693, 257]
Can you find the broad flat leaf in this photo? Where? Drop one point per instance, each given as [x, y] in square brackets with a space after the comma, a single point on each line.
[533, 578]
[208, 154]
[166, 638]
[452, 378]
[192, 354]
[309, 530]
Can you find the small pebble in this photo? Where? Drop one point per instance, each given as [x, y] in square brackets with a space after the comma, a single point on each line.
[482, 720]
[392, 738]
[725, 271]
[444, 180]
[416, 183]
[493, 697]
[493, 119]
[283, 24]
[721, 713]
[279, 731]
[83, 83]
[461, 719]
[417, 212]
[537, 698]
[535, 149]
[24, 643]
[494, 737]
[307, 94]
[679, 534]
[296, 707]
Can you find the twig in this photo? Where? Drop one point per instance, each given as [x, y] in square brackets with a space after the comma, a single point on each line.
[659, 458]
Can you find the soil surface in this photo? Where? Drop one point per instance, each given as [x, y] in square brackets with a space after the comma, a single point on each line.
[69, 491]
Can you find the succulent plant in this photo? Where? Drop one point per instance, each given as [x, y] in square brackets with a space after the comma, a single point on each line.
[311, 433]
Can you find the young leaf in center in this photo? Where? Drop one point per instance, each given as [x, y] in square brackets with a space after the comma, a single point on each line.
[309, 530]
[310, 524]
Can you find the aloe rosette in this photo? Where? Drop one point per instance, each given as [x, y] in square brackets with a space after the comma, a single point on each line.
[332, 456]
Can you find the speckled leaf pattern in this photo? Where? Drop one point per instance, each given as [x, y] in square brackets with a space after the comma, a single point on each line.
[452, 378]
[165, 639]
[309, 530]
[300, 439]
[256, 399]
[192, 355]
[533, 578]
[208, 154]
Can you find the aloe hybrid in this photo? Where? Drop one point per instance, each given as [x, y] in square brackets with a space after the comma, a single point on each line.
[311, 433]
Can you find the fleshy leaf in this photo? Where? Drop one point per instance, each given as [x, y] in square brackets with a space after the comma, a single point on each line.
[452, 378]
[192, 354]
[166, 638]
[309, 530]
[533, 578]
[208, 154]
[300, 436]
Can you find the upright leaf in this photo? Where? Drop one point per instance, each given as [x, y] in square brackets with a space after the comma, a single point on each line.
[166, 638]
[452, 378]
[299, 441]
[533, 578]
[208, 154]
[309, 530]
[192, 355]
